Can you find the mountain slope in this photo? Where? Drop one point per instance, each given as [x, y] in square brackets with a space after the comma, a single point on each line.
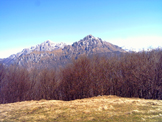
[43, 47]
[91, 45]
[51, 54]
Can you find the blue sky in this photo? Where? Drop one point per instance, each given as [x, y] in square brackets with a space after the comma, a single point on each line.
[132, 24]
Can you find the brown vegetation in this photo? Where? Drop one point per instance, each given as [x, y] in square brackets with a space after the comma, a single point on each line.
[97, 109]
[130, 75]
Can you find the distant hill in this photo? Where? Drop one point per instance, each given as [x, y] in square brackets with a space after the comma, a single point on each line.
[54, 55]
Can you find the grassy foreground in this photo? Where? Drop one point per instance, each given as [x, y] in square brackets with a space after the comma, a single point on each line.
[103, 109]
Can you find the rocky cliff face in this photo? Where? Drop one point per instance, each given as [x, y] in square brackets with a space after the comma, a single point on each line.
[53, 55]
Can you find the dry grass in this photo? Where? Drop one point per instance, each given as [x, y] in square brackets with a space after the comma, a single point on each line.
[102, 108]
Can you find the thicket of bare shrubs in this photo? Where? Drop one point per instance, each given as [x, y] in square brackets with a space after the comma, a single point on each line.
[129, 75]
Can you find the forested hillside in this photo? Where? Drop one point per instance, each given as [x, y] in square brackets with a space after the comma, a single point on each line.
[129, 75]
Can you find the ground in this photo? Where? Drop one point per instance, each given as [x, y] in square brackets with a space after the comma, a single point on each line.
[100, 109]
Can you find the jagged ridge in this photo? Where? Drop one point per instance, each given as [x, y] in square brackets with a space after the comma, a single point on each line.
[60, 54]
[45, 46]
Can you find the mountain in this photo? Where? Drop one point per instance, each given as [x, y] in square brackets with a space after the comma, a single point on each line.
[91, 45]
[43, 47]
[58, 54]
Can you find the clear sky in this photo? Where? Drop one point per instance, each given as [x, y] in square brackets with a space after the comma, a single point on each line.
[132, 24]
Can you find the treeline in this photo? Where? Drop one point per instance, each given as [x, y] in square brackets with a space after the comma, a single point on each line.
[130, 75]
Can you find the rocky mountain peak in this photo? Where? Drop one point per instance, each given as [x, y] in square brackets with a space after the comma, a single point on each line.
[49, 46]
[47, 43]
[89, 40]
[89, 37]
[45, 46]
